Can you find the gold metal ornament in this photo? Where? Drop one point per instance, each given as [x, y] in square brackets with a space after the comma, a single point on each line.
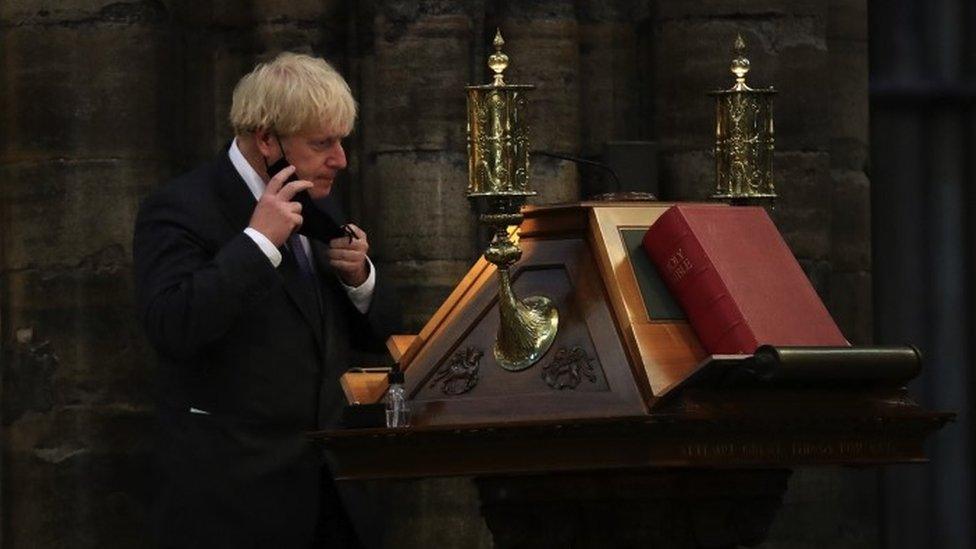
[498, 184]
[744, 138]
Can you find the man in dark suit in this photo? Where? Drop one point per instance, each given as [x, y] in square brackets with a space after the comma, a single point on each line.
[253, 322]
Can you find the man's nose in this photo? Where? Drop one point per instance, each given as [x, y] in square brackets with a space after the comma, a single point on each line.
[337, 157]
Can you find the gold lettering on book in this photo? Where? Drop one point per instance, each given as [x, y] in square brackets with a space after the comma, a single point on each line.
[797, 449]
[678, 265]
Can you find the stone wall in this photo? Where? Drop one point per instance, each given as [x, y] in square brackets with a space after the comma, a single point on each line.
[100, 101]
[83, 138]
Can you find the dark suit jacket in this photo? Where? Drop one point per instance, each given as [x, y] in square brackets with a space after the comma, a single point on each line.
[244, 341]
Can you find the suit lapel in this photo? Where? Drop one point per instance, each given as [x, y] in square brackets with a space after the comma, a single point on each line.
[238, 204]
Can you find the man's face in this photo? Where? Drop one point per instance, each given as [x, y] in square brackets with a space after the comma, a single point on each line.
[318, 157]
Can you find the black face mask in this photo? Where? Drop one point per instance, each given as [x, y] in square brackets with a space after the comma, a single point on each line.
[322, 219]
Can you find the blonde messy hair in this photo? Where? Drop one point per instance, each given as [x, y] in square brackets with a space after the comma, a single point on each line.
[290, 94]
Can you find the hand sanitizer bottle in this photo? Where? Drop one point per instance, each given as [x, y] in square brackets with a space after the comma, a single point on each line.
[397, 412]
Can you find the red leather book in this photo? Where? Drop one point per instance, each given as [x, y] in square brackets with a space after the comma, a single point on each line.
[737, 280]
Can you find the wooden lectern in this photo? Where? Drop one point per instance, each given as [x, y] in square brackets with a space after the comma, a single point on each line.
[625, 406]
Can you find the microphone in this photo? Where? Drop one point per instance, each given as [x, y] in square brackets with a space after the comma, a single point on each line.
[615, 196]
[580, 160]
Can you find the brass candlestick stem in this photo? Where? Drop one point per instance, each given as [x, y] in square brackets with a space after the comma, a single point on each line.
[498, 181]
[744, 138]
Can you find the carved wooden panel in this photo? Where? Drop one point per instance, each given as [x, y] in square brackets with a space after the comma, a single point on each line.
[585, 373]
[552, 281]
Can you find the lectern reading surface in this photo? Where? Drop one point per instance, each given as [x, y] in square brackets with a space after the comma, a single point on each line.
[625, 384]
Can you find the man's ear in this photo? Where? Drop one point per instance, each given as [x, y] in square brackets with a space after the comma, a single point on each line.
[266, 143]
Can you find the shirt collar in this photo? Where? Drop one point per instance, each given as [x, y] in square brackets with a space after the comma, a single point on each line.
[251, 178]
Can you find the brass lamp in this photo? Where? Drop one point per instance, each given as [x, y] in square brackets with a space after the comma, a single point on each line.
[498, 182]
[744, 139]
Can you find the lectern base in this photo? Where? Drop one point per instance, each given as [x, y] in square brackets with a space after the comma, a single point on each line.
[674, 508]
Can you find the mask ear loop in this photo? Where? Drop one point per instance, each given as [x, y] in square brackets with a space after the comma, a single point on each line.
[281, 148]
[267, 167]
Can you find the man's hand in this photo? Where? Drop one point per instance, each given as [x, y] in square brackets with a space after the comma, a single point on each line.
[348, 258]
[276, 216]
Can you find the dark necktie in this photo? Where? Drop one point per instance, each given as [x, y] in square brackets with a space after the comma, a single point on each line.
[295, 243]
[305, 268]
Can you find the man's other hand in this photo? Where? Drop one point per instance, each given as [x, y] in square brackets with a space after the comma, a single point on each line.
[348, 257]
[276, 216]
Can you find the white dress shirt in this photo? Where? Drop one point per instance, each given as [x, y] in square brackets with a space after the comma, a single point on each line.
[361, 295]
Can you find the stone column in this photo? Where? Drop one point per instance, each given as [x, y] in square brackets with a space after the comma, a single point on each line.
[542, 40]
[412, 62]
[87, 128]
[226, 39]
[613, 104]
[415, 61]
[850, 238]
